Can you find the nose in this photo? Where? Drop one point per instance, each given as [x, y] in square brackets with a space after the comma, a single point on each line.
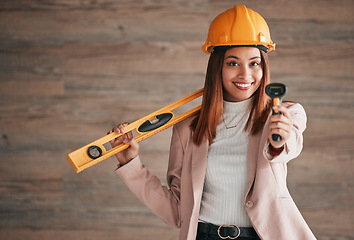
[244, 72]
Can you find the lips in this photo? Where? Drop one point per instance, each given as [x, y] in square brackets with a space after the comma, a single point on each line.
[243, 86]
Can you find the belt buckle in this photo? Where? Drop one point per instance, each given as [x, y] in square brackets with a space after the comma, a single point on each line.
[232, 225]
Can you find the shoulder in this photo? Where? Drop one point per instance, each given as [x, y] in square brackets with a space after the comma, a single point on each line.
[184, 126]
[183, 130]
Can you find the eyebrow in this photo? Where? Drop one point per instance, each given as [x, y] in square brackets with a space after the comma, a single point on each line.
[231, 56]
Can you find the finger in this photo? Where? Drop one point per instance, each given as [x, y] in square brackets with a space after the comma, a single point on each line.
[283, 133]
[281, 125]
[116, 141]
[121, 128]
[281, 118]
[116, 129]
[130, 135]
[280, 131]
[283, 110]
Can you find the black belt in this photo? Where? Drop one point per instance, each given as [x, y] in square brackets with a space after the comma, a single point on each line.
[227, 231]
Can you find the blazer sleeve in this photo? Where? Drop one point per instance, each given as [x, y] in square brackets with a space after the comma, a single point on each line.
[163, 201]
[294, 145]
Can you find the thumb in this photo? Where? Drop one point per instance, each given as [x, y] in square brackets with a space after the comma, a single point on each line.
[133, 150]
[129, 140]
[134, 144]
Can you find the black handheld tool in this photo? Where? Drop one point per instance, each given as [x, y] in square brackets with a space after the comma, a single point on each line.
[276, 91]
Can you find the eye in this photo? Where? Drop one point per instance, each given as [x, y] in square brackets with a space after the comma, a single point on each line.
[254, 64]
[232, 64]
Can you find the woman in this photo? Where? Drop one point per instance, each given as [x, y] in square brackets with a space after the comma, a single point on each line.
[226, 175]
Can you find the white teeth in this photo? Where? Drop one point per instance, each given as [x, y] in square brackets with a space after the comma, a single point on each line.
[244, 85]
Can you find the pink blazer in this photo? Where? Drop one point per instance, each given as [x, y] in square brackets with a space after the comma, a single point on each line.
[268, 203]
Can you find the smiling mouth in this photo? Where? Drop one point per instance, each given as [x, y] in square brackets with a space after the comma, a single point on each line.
[243, 86]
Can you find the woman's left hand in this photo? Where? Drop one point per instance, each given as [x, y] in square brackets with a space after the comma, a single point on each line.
[280, 124]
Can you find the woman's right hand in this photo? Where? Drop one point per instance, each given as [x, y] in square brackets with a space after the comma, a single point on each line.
[129, 153]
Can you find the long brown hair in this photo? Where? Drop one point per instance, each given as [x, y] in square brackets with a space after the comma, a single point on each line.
[207, 119]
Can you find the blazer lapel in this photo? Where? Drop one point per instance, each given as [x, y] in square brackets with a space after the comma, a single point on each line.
[252, 154]
[199, 163]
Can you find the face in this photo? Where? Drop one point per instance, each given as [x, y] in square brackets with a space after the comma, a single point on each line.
[241, 73]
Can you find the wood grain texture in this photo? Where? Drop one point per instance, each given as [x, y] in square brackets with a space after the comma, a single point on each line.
[71, 70]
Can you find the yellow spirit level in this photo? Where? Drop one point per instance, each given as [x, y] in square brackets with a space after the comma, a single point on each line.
[146, 127]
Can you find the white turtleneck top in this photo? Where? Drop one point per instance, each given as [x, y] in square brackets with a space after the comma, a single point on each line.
[226, 174]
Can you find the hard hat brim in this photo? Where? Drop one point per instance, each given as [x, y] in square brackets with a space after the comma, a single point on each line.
[264, 48]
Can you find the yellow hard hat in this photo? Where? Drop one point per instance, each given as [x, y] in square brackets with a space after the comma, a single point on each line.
[238, 26]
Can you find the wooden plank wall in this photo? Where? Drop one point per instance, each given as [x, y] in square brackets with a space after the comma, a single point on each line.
[70, 70]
